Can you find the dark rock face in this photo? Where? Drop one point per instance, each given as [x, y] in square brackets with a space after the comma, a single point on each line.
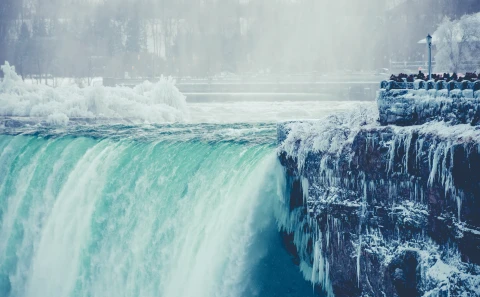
[416, 107]
[405, 275]
[395, 213]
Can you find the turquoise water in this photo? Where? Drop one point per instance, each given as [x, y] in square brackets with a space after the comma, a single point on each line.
[170, 210]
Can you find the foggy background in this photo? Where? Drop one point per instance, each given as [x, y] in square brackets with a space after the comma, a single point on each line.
[198, 38]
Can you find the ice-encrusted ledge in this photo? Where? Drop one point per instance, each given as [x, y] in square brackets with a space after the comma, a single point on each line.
[384, 211]
[405, 107]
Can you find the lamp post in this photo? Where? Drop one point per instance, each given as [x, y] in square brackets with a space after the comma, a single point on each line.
[429, 43]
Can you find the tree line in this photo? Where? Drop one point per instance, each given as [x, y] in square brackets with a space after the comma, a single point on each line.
[85, 38]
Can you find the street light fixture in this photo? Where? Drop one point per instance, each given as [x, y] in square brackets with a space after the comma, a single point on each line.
[429, 42]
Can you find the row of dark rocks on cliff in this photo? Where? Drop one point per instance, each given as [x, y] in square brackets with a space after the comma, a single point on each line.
[398, 210]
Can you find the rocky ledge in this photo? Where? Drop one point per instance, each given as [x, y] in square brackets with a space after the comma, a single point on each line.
[383, 211]
[421, 102]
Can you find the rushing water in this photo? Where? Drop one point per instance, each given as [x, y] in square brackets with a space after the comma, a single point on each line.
[157, 210]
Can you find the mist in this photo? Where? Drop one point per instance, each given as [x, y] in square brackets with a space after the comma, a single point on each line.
[198, 38]
[239, 148]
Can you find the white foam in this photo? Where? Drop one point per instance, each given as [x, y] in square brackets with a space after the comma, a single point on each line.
[154, 103]
[146, 103]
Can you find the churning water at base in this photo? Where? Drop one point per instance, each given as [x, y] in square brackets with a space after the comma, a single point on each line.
[171, 211]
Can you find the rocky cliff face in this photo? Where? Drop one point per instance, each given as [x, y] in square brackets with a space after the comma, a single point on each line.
[384, 211]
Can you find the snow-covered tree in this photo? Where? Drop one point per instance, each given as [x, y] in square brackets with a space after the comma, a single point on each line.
[457, 44]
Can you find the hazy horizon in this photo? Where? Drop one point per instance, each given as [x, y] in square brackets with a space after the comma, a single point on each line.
[206, 37]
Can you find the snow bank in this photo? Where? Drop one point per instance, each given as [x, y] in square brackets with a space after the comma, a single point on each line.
[328, 135]
[153, 103]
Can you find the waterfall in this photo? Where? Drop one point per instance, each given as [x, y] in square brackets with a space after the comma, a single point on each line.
[82, 215]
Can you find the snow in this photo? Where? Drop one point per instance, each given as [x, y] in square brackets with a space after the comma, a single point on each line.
[146, 103]
[327, 135]
[442, 270]
[455, 42]
[448, 275]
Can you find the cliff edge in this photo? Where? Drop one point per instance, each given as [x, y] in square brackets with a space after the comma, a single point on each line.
[383, 210]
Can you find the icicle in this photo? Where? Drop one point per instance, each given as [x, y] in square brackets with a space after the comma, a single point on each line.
[434, 164]
[305, 186]
[459, 207]
[362, 217]
[337, 228]
[407, 144]
[419, 144]
[391, 153]
[327, 236]
[359, 250]
[392, 190]
[430, 152]
[372, 187]
[445, 171]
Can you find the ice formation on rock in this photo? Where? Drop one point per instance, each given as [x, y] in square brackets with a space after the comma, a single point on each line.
[396, 206]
